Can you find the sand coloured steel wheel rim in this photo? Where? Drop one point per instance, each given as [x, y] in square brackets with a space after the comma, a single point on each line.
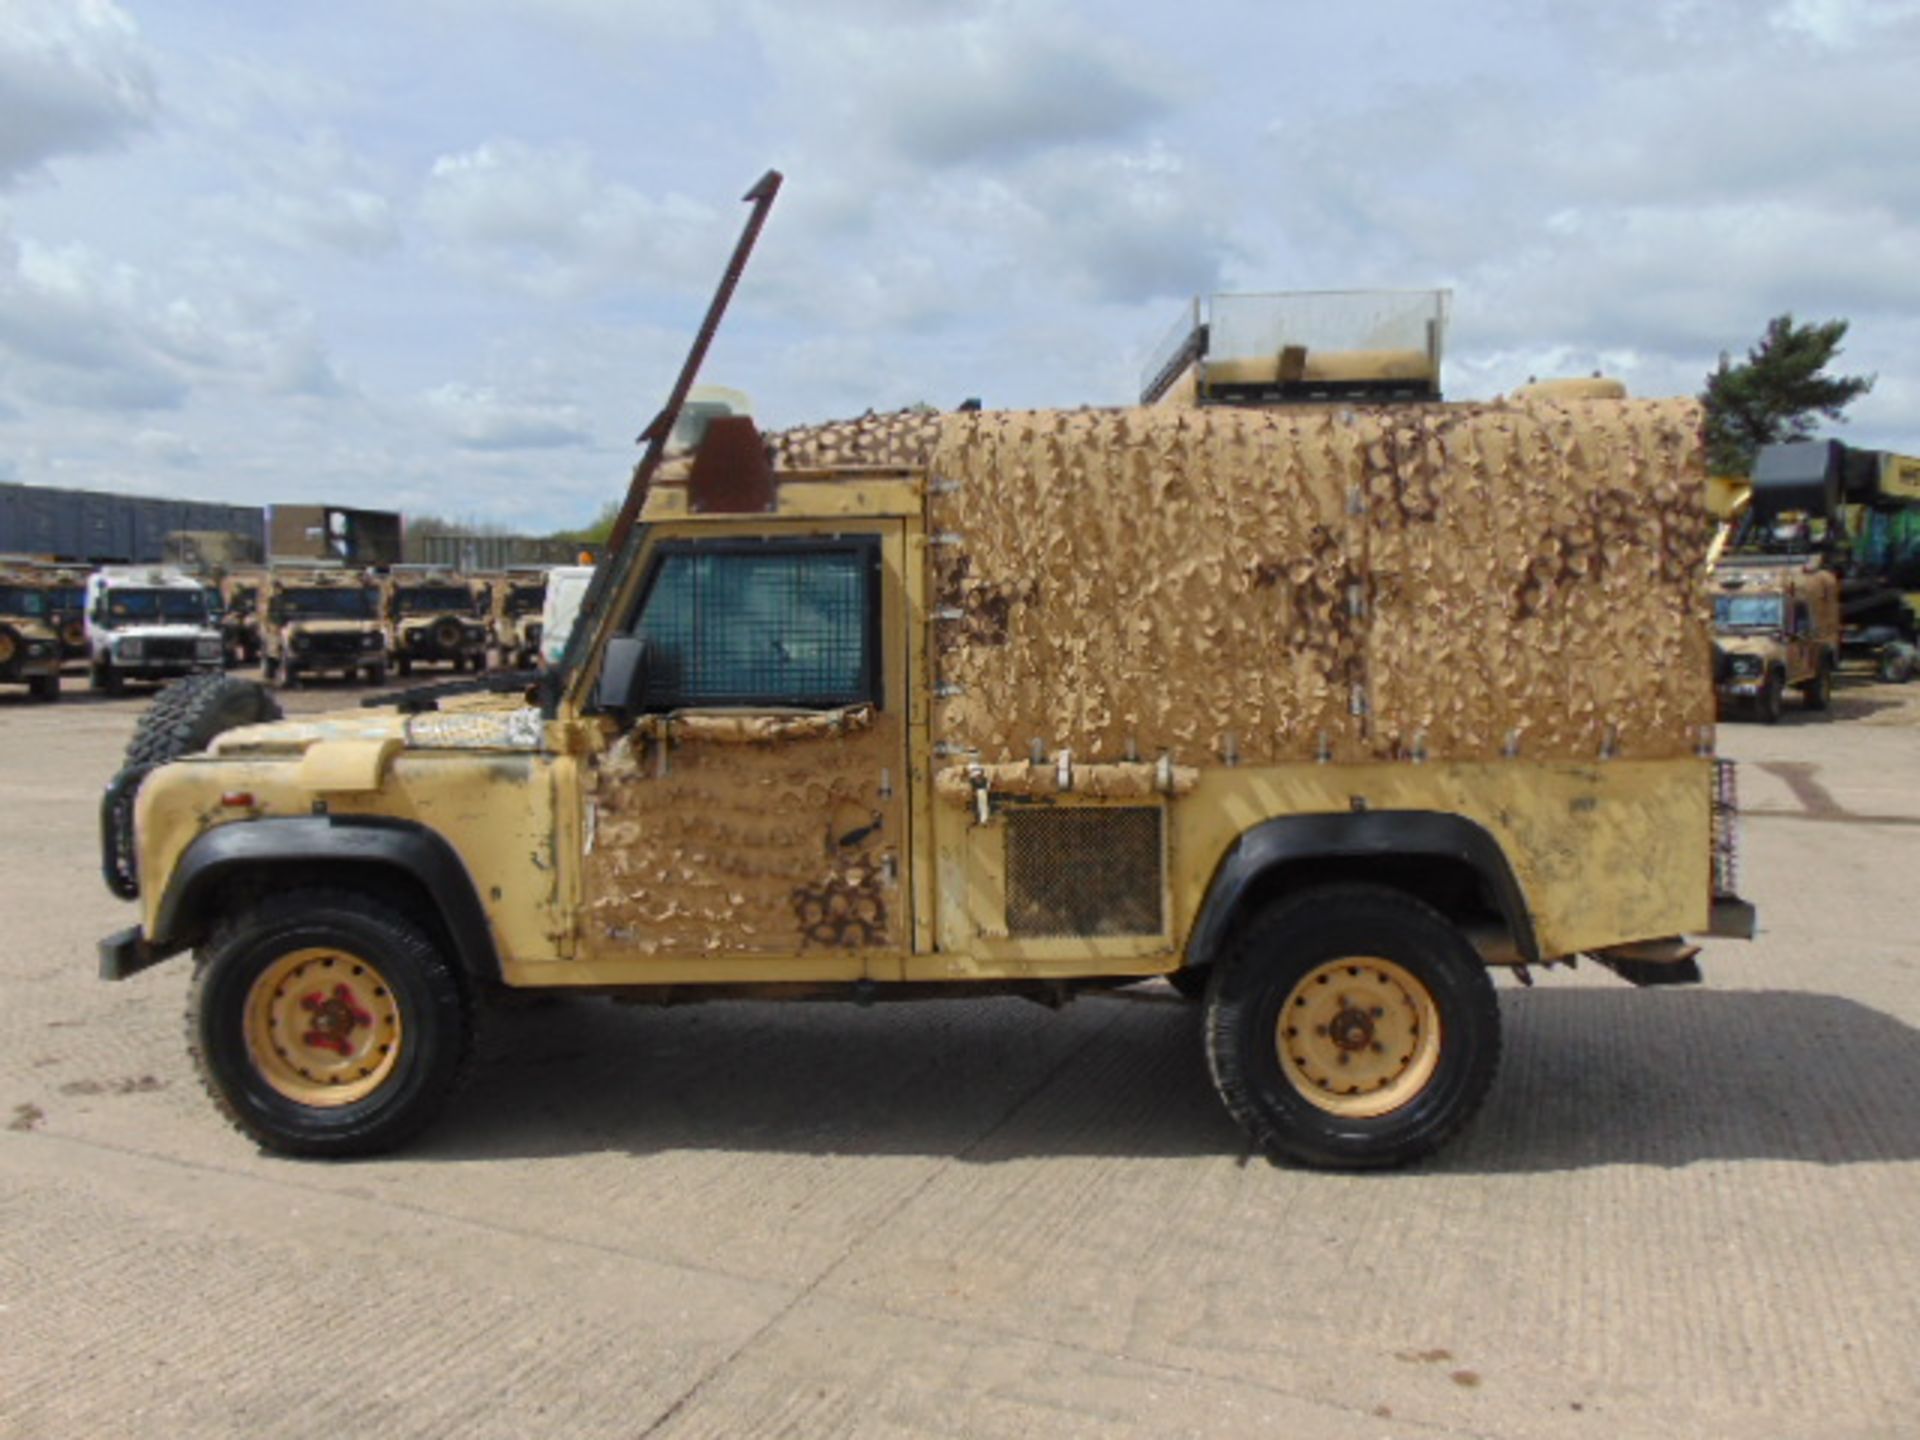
[323, 1027]
[1359, 1036]
[7, 646]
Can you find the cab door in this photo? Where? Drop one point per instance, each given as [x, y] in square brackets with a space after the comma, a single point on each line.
[750, 822]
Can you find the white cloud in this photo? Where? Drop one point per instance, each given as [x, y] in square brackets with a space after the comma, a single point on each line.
[546, 219]
[1842, 24]
[480, 418]
[74, 77]
[169, 447]
[312, 192]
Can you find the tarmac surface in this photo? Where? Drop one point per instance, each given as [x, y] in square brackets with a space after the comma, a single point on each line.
[1689, 1212]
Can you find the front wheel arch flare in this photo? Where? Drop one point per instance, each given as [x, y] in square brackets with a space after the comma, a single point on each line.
[299, 848]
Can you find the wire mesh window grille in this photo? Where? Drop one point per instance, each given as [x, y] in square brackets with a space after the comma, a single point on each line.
[1092, 870]
[766, 626]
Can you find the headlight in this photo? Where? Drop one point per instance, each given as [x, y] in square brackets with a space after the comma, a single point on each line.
[371, 642]
[1746, 665]
[39, 647]
[131, 649]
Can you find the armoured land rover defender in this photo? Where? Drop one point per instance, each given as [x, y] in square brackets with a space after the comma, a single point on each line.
[240, 606]
[148, 622]
[518, 598]
[321, 620]
[1777, 626]
[67, 601]
[29, 641]
[1318, 710]
[434, 617]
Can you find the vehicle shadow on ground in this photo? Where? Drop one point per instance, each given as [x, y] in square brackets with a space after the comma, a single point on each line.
[1593, 1076]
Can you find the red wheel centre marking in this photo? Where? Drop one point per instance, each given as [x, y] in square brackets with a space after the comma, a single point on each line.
[335, 1017]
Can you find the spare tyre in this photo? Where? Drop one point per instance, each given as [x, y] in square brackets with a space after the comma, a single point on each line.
[185, 717]
[447, 634]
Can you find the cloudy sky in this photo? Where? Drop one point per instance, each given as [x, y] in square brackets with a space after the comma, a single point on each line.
[445, 255]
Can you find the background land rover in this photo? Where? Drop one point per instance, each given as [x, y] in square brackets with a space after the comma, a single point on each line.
[1777, 627]
[435, 618]
[322, 622]
[29, 641]
[888, 710]
[148, 623]
[518, 603]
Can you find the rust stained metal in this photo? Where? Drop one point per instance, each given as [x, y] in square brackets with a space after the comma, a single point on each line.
[731, 473]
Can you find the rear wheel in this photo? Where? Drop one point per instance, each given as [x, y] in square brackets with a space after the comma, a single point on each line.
[323, 1022]
[1817, 693]
[1352, 1027]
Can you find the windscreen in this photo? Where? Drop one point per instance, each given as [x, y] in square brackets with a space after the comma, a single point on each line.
[526, 599]
[21, 600]
[328, 604]
[1749, 612]
[156, 607]
[433, 599]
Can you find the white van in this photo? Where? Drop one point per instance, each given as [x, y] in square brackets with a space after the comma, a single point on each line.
[148, 622]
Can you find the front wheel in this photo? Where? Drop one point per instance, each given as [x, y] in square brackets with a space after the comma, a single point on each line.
[1772, 699]
[45, 688]
[1352, 1027]
[325, 1023]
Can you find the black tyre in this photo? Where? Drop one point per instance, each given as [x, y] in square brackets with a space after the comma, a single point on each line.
[1771, 701]
[185, 717]
[106, 679]
[404, 666]
[1817, 693]
[376, 674]
[45, 688]
[325, 1023]
[1351, 1027]
[1191, 982]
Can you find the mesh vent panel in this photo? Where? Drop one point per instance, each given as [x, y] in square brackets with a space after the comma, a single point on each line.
[1093, 871]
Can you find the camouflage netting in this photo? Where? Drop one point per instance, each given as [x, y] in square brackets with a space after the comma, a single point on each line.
[744, 844]
[1447, 581]
[902, 439]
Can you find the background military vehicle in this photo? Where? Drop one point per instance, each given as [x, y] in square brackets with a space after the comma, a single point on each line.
[519, 598]
[321, 620]
[240, 606]
[148, 622]
[29, 641]
[1777, 627]
[67, 595]
[1029, 703]
[434, 617]
[1850, 513]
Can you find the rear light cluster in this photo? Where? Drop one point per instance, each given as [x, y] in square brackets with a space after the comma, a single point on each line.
[1726, 830]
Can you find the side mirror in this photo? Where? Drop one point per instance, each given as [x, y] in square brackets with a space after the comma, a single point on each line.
[623, 677]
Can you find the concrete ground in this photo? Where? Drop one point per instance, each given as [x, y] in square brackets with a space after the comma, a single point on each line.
[1690, 1212]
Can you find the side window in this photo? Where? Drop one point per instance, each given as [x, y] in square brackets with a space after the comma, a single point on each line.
[770, 624]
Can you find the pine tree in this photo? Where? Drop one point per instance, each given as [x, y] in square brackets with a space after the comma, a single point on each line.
[1779, 392]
